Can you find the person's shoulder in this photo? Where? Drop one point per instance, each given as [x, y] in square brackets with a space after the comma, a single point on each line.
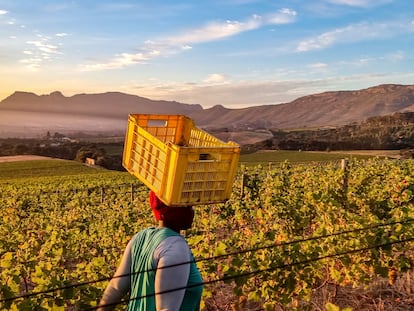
[173, 247]
[174, 242]
[175, 239]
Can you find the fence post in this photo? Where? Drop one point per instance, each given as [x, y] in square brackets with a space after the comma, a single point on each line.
[243, 183]
[344, 167]
[102, 194]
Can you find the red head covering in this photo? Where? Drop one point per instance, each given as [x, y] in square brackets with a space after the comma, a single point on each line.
[158, 207]
[180, 217]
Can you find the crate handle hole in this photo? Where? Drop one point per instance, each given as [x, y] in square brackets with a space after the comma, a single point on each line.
[157, 123]
[206, 157]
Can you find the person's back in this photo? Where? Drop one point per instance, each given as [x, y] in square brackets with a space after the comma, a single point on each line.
[157, 267]
[162, 263]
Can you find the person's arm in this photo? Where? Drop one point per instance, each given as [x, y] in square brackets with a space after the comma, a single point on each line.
[174, 251]
[118, 287]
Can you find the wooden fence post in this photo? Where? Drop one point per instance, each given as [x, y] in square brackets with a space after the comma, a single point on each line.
[243, 183]
[344, 167]
[102, 194]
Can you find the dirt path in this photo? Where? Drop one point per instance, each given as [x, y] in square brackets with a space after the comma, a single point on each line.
[22, 158]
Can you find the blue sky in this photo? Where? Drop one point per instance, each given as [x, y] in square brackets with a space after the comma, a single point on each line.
[235, 53]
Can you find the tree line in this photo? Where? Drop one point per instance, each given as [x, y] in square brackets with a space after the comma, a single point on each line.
[392, 132]
[108, 155]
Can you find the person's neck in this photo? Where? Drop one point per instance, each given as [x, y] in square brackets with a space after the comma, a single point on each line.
[162, 224]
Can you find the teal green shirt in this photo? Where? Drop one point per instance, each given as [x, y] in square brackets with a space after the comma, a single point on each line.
[143, 271]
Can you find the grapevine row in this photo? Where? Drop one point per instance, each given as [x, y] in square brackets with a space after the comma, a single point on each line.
[59, 240]
[318, 239]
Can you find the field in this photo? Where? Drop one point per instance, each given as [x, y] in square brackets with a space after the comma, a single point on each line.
[279, 156]
[291, 237]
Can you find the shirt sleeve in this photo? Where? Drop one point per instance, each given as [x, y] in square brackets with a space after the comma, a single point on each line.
[119, 285]
[174, 255]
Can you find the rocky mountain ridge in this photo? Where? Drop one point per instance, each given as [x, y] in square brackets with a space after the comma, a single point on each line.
[321, 110]
[109, 104]
[24, 113]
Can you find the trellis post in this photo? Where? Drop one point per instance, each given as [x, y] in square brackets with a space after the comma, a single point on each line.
[102, 194]
[344, 167]
[132, 193]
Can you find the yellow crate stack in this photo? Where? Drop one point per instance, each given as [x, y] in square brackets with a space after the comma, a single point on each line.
[181, 163]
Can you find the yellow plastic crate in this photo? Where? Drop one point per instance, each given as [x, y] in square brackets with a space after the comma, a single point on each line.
[182, 164]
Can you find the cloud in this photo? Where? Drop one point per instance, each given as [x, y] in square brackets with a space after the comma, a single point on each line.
[184, 41]
[397, 56]
[58, 7]
[394, 57]
[219, 30]
[216, 78]
[119, 6]
[121, 60]
[360, 3]
[3, 12]
[45, 47]
[239, 94]
[32, 63]
[61, 34]
[40, 50]
[318, 65]
[353, 33]
[283, 16]
[233, 94]
[214, 31]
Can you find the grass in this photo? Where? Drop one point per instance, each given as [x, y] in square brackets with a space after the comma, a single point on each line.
[55, 167]
[40, 168]
[278, 156]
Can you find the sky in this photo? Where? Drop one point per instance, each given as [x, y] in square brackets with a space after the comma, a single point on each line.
[235, 53]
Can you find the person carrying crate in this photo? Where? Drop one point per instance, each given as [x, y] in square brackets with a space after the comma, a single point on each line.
[157, 267]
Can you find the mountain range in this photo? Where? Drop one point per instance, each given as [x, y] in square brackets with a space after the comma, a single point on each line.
[25, 114]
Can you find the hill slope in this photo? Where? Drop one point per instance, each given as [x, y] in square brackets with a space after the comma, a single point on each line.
[110, 104]
[25, 114]
[324, 109]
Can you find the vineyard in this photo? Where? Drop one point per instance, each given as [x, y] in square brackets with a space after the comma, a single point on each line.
[291, 237]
